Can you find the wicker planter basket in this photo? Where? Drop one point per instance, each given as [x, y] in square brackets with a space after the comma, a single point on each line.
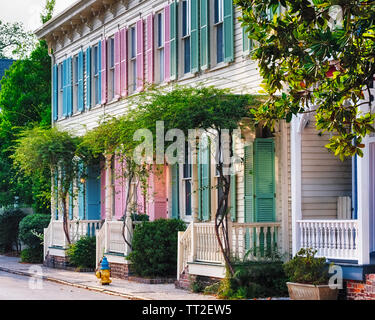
[301, 291]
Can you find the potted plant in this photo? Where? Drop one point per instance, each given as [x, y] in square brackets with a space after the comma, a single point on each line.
[308, 277]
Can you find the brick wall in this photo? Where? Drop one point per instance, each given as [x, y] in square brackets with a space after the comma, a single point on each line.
[120, 270]
[357, 290]
[187, 279]
[56, 262]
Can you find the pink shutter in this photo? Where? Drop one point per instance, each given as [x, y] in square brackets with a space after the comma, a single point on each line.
[124, 62]
[119, 189]
[140, 55]
[167, 45]
[160, 194]
[150, 49]
[104, 71]
[102, 190]
[117, 66]
[140, 200]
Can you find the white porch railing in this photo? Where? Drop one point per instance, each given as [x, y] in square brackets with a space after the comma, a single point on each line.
[333, 239]
[199, 242]
[80, 228]
[110, 239]
[47, 240]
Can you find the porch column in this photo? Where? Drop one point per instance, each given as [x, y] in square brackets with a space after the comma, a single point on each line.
[295, 149]
[363, 174]
[108, 188]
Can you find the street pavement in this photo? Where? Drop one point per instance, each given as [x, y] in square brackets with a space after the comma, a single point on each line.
[83, 280]
[17, 287]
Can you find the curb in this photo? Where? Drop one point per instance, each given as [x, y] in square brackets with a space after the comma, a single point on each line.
[96, 289]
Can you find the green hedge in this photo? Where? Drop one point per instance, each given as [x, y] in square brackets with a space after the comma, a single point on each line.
[82, 254]
[9, 221]
[155, 247]
[29, 224]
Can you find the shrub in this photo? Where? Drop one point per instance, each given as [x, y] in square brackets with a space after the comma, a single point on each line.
[155, 247]
[306, 268]
[31, 255]
[140, 217]
[82, 253]
[29, 228]
[255, 279]
[9, 222]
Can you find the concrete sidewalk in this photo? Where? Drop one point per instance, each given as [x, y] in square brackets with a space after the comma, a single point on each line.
[125, 288]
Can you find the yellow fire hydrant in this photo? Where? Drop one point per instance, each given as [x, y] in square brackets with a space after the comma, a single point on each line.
[104, 273]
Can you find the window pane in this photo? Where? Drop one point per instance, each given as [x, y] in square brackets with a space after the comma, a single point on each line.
[184, 18]
[160, 30]
[161, 64]
[187, 55]
[219, 43]
[112, 52]
[188, 197]
[133, 41]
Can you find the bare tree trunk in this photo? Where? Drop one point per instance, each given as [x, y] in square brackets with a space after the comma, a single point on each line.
[124, 226]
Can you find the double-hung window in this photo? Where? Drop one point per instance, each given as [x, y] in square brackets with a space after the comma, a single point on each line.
[219, 29]
[185, 36]
[96, 78]
[111, 69]
[133, 59]
[160, 46]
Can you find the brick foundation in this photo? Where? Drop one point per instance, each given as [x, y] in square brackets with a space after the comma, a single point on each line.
[358, 290]
[120, 270]
[187, 279]
[58, 262]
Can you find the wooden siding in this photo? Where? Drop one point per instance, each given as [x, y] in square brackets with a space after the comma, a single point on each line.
[324, 176]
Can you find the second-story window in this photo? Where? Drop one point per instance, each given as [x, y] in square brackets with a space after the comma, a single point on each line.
[96, 79]
[75, 84]
[111, 68]
[133, 59]
[160, 46]
[219, 29]
[185, 34]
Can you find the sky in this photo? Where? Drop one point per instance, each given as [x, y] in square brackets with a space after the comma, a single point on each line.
[28, 11]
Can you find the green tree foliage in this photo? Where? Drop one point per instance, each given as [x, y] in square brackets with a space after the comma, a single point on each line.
[155, 247]
[296, 49]
[40, 150]
[9, 221]
[24, 102]
[15, 42]
[47, 12]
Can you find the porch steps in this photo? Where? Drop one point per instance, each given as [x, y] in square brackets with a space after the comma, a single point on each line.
[207, 269]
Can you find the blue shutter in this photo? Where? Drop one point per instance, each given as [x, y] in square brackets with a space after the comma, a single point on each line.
[175, 191]
[70, 87]
[173, 39]
[194, 36]
[56, 185]
[88, 78]
[71, 202]
[204, 180]
[93, 192]
[55, 88]
[204, 34]
[81, 98]
[65, 94]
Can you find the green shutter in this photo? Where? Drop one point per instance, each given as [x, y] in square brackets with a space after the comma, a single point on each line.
[264, 163]
[228, 31]
[204, 35]
[88, 78]
[175, 191]
[55, 93]
[81, 99]
[248, 190]
[173, 40]
[204, 180]
[65, 95]
[233, 189]
[194, 53]
[248, 184]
